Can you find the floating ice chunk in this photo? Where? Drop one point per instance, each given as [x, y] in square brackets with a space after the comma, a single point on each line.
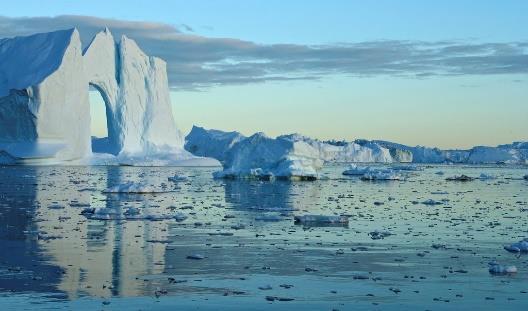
[439, 173]
[355, 170]
[88, 211]
[265, 287]
[484, 176]
[105, 214]
[495, 268]
[373, 172]
[56, 206]
[131, 187]
[132, 213]
[432, 202]
[413, 168]
[196, 257]
[180, 216]
[382, 175]
[519, 247]
[377, 234]
[177, 178]
[460, 178]
[268, 218]
[320, 219]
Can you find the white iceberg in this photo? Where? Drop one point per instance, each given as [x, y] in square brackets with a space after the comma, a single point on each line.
[219, 144]
[263, 157]
[45, 111]
[211, 143]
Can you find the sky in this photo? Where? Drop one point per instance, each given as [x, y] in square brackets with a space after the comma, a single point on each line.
[451, 74]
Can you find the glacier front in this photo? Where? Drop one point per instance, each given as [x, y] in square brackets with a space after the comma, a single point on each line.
[45, 112]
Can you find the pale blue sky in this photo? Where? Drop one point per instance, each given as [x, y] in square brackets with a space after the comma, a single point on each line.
[454, 110]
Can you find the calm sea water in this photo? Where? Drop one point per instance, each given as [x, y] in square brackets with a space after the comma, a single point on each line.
[52, 257]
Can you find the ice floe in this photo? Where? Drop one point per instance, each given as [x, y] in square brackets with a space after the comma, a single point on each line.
[320, 219]
[497, 269]
[518, 247]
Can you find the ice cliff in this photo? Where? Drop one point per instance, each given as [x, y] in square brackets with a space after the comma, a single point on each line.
[45, 112]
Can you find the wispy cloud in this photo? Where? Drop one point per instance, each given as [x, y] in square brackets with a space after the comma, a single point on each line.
[196, 61]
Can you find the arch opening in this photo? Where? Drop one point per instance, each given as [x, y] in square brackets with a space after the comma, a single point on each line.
[100, 121]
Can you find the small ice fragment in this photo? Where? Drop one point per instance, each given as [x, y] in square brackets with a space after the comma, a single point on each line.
[377, 235]
[353, 169]
[88, 211]
[484, 176]
[131, 187]
[180, 216]
[265, 287]
[322, 219]
[519, 247]
[56, 206]
[132, 211]
[432, 202]
[177, 178]
[410, 167]
[460, 178]
[495, 268]
[268, 218]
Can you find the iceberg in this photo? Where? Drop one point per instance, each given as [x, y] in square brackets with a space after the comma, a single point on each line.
[44, 107]
[292, 156]
[514, 153]
[218, 144]
[262, 157]
[211, 143]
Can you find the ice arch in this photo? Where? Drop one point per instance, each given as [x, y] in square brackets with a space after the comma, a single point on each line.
[135, 89]
[44, 106]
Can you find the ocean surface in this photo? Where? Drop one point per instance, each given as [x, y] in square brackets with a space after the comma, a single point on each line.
[254, 257]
